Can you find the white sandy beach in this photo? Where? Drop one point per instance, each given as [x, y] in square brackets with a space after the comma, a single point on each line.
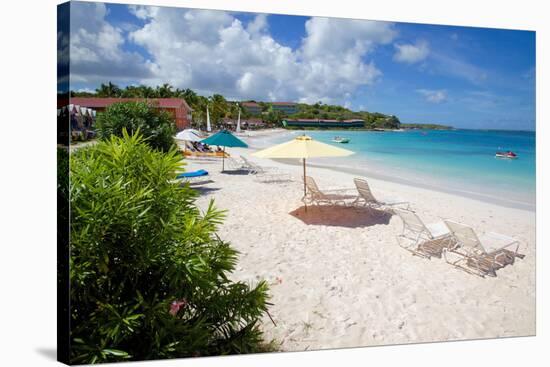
[338, 278]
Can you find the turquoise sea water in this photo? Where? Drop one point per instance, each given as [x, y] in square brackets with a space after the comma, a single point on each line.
[459, 161]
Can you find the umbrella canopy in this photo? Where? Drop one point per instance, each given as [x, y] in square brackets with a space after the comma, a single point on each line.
[224, 139]
[188, 135]
[302, 147]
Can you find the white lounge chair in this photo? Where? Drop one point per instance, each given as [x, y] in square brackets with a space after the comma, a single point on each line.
[481, 255]
[233, 164]
[263, 173]
[251, 166]
[326, 197]
[366, 198]
[425, 240]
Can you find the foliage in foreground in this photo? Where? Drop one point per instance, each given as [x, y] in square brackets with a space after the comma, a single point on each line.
[155, 125]
[148, 274]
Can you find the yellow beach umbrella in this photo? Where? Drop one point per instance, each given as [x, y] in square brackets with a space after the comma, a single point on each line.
[302, 147]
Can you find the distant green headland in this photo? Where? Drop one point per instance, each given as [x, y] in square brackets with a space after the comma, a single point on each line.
[426, 126]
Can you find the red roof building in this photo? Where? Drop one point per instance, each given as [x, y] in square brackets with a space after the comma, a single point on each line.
[253, 108]
[177, 107]
[288, 108]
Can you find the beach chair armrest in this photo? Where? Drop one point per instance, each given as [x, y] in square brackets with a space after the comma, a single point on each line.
[406, 204]
[502, 237]
[505, 241]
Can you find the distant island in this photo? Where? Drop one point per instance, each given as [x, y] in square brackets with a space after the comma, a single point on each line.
[426, 127]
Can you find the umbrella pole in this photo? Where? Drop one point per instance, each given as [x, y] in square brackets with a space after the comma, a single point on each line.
[305, 190]
[223, 159]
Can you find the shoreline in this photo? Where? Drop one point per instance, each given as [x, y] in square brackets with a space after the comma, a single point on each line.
[479, 196]
[484, 198]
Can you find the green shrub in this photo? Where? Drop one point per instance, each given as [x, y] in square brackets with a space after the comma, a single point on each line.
[148, 274]
[156, 126]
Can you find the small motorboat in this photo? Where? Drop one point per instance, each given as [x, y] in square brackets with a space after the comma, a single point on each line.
[508, 155]
[339, 139]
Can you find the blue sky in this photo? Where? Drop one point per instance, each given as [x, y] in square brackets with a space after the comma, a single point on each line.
[461, 76]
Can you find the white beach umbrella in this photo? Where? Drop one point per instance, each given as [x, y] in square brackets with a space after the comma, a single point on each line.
[188, 135]
[239, 122]
[208, 127]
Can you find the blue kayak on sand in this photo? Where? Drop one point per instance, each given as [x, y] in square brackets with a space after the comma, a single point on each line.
[192, 174]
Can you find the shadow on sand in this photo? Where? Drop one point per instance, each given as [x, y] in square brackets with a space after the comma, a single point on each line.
[272, 180]
[202, 190]
[340, 216]
[236, 172]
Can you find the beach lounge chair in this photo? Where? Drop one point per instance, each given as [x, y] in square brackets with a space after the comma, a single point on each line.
[482, 255]
[365, 198]
[188, 146]
[421, 239]
[233, 164]
[265, 174]
[327, 197]
[252, 167]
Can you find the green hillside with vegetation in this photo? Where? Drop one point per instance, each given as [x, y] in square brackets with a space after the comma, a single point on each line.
[220, 108]
[426, 126]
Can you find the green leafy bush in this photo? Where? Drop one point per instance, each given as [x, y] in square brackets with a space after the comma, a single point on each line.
[156, 126]
[148, 274]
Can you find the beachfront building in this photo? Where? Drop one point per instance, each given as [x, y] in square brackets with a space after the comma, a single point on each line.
[251, 123]
[252, 108]
[288, 108]
[323, 123]
[177, 107]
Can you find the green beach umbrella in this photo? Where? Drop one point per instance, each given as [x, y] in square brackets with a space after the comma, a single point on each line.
[224, 139]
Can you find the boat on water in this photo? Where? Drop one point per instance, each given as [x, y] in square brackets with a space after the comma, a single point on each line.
[341, 140]
[507, 155]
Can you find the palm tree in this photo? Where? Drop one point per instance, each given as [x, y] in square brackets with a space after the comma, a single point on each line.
[165, 91]
[219, 109]
[108, 90]
[199, 110]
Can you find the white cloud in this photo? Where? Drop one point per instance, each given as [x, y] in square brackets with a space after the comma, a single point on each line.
[411, 53]
[332, 37]
[86, 90]
[214, 52]
[258, 25]
[96, 53]
[434, 96]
